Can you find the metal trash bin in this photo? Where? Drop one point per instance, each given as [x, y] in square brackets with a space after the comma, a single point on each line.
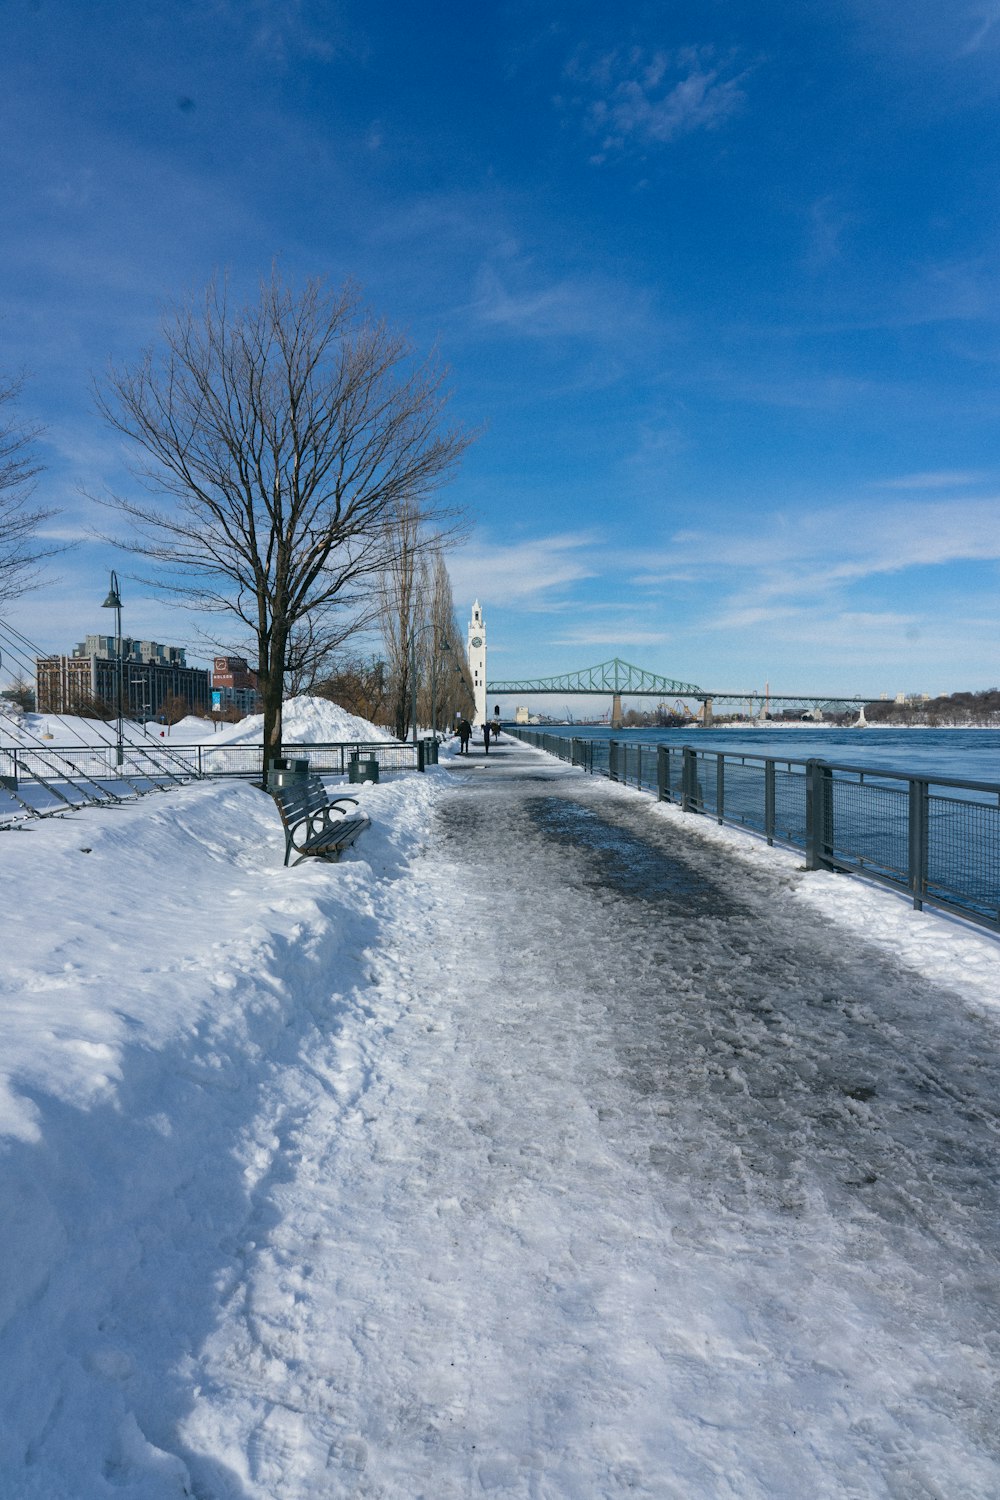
[283, 771]
[362, 768]
[431, 751]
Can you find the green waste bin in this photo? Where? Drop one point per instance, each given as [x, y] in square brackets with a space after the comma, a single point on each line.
[283, 771]
[362, 768]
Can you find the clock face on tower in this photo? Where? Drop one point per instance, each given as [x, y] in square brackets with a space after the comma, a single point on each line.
[477, 641]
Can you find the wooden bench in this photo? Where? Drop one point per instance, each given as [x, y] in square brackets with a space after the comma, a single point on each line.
[316, 825]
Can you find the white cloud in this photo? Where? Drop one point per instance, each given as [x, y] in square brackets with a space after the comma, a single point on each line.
[983, 20]
[609, 636]
[652, 98]
[943, 479]
[523, 573]
[575, 307]
[821, 548]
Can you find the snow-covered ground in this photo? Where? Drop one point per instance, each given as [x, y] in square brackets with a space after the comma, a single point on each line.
[547, 1146]
[305, 720]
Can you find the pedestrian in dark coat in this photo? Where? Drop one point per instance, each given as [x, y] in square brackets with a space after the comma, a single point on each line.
[464, 736]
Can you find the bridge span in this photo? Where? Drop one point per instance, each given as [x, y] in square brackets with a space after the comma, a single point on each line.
[623, 680]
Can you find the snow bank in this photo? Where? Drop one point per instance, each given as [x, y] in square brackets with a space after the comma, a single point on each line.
[306, 720]
[160, 964]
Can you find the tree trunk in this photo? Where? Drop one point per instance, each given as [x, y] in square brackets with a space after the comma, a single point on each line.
[271, 684]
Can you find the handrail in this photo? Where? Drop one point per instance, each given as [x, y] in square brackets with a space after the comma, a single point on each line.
[936, 838]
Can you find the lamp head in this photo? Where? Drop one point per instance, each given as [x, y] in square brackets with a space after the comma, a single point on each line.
[114, 599]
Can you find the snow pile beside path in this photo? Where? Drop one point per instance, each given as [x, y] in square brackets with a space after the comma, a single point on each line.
[305, 721]
[161, 971]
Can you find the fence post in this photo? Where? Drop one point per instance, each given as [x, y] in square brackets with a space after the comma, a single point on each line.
[769, 801]
[612, 760]
[819, 815]
[919, 807]
[662, 773]
[420, 755]
[720, 788]
[689, 780]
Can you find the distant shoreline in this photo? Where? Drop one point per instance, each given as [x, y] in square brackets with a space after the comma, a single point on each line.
[813, 724]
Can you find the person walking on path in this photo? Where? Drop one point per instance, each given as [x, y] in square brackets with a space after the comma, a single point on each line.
[486, 735]
[464, 736]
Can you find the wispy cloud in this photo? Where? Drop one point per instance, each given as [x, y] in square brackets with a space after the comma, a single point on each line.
[828, 222]
[810, 551]
[525, 573]
[518, 300]
[983, 20]
[944, 479]
[634, 97]
[609, 636]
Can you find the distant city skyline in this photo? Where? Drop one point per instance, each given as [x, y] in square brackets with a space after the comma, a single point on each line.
[717, 288]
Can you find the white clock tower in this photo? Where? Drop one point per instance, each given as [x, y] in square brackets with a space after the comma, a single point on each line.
[477, 661]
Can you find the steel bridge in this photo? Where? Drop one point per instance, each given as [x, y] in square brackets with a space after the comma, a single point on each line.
[621, 679]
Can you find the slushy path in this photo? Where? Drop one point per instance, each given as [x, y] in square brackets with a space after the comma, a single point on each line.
[645, 1185]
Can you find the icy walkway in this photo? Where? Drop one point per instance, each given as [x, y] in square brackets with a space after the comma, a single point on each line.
[576, 1158]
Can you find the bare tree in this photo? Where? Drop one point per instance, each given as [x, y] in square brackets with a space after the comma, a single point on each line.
[313, 646]
[360, 685]
[20, 549]
[284, 436]
[420, 632]
[446, 687]
[402, 592]
[21, 693]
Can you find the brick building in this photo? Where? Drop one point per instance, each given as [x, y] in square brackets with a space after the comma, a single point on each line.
[234, 685]
[152, 677]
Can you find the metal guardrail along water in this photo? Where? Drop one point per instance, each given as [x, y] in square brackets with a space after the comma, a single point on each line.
[934, 837]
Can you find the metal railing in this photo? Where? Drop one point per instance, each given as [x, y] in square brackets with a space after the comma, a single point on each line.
[328, 758]
[934, 837]
[39, 781]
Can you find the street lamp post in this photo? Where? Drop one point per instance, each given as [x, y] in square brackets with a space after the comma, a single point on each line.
[114, 601]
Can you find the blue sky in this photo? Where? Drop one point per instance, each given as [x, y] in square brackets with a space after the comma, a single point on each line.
[717, 281]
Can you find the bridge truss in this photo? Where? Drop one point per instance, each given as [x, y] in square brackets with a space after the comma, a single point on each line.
[622, 680]
[792, 700]
[616, 676]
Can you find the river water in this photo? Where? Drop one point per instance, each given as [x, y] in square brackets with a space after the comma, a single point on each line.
[965, 754]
